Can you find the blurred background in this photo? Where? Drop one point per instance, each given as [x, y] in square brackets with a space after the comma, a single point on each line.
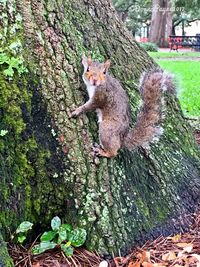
[156, 20]
[169, 30]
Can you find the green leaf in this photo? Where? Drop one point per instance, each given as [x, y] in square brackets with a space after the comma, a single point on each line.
[65, 230]
[21, 69]
[21, 239]
[15, 62]
[3, 132]
[43, 246]
[4, 58]
[55, 223]
[68, 244]
[68, 227]
[48, 236]
[9, 72]
[24, 227]
[68, 250]
[62, 234]
[78, 237]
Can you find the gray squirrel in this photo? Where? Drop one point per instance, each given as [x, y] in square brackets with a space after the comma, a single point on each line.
[111, 103]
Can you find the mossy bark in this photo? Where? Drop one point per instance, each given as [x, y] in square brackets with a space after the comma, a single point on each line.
[47, 167]
[5, 260]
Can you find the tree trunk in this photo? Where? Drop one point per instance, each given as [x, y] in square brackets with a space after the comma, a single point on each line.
[46, 164]
[173, 29]
[169, 19]
[161, 22]
[4, 257]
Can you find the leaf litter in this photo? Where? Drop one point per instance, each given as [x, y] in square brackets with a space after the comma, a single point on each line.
[182, 249]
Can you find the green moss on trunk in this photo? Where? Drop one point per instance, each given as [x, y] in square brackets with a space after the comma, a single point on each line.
[5, 260]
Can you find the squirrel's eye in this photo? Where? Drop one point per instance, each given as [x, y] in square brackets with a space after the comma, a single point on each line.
[104, 72]
[88, 69]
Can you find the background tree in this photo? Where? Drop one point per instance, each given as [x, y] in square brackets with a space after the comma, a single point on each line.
[185, 13]
[46, 166]
[161, 22]
[136, 14]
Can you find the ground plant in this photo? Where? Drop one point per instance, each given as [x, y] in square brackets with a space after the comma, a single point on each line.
[62, 236]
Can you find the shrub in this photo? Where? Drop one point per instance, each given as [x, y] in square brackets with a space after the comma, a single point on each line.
[150, 47]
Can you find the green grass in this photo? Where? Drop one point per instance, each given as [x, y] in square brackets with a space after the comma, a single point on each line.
[174, 54]
[187, 74]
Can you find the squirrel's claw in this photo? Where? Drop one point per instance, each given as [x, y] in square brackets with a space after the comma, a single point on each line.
[95, 145]
[100, 152]
[95, 154]
[75, 113]
[96, 148]
[72, 115]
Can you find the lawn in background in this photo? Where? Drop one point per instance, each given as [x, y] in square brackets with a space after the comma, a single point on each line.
[187, 75]
[174, 54]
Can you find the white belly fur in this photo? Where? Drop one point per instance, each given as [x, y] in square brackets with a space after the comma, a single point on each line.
[99, 114]
[91, 90]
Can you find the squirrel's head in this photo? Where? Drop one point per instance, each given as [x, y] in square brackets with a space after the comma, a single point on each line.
[94, 72]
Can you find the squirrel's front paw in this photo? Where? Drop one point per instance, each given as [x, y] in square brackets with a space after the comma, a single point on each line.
[75, 113]
[96, 148]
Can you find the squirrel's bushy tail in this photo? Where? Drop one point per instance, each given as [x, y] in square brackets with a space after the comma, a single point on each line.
[147, 128]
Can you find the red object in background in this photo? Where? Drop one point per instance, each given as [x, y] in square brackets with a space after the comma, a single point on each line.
[175, 42]
[144, 39]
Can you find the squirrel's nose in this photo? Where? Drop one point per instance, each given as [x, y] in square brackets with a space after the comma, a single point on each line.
[94, 81]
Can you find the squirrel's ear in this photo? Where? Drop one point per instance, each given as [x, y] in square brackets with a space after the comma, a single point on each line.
[107, 64]
[89, 60]
[86, 61]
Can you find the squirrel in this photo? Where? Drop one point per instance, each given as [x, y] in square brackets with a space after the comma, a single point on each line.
[111, 103]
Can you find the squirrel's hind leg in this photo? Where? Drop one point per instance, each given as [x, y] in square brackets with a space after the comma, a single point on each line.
[101, 152]
[110, 142]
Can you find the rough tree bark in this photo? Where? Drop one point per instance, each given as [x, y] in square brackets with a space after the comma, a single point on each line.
[46, 167]
[161, 22]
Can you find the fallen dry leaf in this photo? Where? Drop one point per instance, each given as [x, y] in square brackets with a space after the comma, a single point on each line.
[175, 238]
[119, 260]
[181, 254]
[144, 256]
[183, 245]
[169, 256]
[188, 249]
[134, 264]
[198, 259]
[190, 259]
[147, 264]
[103, 264]
[36, 264]
[139, 256]
[196, 256]
[159, 265]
